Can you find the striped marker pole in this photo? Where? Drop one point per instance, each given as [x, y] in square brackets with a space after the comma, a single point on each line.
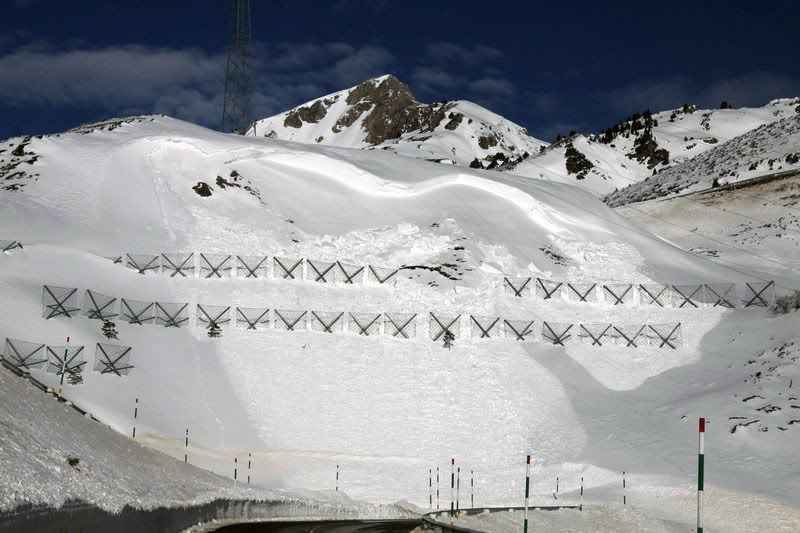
[472, 489]
[337, 478]
[452, 485]
[235, 469]
[458, 488]
[135, 415]
[581, 505]
[249, 465]
[437, 488]
[527, 491]
[624, 486]
[700, 472]
[186, 447]
[430, 488]
[556, 488]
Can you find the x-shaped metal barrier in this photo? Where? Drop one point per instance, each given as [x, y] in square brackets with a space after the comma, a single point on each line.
[667, 339]
[98, 311]
[351, 274]
[520, 333]
[630, 340]
[363, 328]
[250, 272]
[485, 333]
[548, 293]
[619, 299]
[288, 273]
[757, 295]
[400, 329]
[215, 270]
[252, 323]
[111, 364]
[138, 317]
[179, 267]
[321, 270]
[171, 320]
[58, 307]
[582, 296]
[688, 299]
[327, 326]
[722, 295]
[653, 297]
[383, 279]
[556, 338]
[213, 320]
[596, 339]
[290, 324]
[517, 290]
[58, 363]
[442, 328]
[26, 359]
[151, 264]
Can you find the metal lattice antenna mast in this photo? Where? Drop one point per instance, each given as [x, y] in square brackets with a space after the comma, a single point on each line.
[238, 81]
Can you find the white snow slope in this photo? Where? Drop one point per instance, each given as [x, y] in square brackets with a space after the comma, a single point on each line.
[684, 135]
[453, 141]
[384, 409]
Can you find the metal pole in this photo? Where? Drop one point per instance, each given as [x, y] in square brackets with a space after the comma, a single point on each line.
[135, 415]
[527, 491]
[700, 472]
[458, 488]
[63, 366]
[452, 485]
[472, 489]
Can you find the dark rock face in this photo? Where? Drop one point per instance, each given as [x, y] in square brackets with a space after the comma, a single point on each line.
[576, 162]
[203, 189]
[391, 111]
[313, 114]
[455, 120]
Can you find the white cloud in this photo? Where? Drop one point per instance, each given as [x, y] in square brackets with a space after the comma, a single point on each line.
[492, 87]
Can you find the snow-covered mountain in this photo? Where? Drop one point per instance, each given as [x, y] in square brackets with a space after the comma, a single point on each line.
[383, 114]
[646, 144]
[383, 408]
[770, 148]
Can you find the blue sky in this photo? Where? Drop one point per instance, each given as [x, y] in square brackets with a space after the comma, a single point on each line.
[551, 67]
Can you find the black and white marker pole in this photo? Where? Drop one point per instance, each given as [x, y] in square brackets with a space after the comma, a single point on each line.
[337, 478]
[458, 488]
[472, 489]
[452, 485]
[430, 489]
[186, 447]
[235, 470]
[135, 415]
[249, 465]
[437, 489]
[581, 505]
[556, 488]
[624, 486]
[527, 491]
[700, 472]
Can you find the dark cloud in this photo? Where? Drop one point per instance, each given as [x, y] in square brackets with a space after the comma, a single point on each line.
[447, 53]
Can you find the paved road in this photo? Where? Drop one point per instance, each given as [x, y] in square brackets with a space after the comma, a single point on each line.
[340, 526]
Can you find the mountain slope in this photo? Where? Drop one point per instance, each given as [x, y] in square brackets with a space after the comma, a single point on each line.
[382, 113]
[629, 151]
[383, 408]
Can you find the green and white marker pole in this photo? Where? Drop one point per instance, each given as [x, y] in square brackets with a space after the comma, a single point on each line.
[527, 492]
[700, 472]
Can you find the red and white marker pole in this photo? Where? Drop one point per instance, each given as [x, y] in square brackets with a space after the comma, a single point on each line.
[527, 491]
[700, 472]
